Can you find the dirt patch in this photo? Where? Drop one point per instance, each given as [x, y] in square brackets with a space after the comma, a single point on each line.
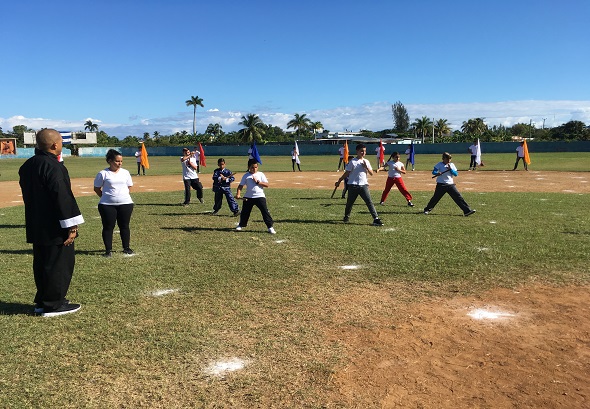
[535, 354]
[479, 181]
[532, 354]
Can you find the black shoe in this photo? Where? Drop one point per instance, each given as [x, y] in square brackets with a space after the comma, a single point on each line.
[62, 310]
[108, 254]
[128, 252]
[410, 204]
[346, 219]
[377, 222]
[237, 213]
[201, 200]
[469, 213]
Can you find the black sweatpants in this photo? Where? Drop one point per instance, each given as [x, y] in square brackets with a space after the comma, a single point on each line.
[451, 189]
[53, 267]
[260, 203]
[111, 214]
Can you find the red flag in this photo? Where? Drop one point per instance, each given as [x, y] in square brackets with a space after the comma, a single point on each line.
[202, 158]
[381, 153]
[346, 152]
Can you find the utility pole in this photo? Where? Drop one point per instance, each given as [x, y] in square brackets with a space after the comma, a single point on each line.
[432, 130]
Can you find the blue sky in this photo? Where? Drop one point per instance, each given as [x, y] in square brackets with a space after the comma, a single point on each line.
[131, 65]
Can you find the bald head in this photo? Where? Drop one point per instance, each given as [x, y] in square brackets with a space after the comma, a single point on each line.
[49, 140]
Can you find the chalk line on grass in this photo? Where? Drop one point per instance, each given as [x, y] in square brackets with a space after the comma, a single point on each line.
[160, 293]
[223, 367]
[350, 267]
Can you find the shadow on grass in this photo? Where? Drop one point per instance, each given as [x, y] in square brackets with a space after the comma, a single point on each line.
[12, 226]
[159, 204]
[197, 228]
[27, 251]
[12, 308]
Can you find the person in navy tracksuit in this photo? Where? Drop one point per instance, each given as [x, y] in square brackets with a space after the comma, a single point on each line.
[222, 178]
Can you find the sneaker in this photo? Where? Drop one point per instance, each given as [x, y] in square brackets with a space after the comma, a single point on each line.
[128, 252]
[38, 310]
[185, 204]
[469, 213]
[62, 310]
[108, 254]
[382, 203]
[237, 213]
[346, 219]
[377, 222]
[201, 200]
[239, 228]
[272, 230]
[214, 212]
[410, 204]
[426, 211]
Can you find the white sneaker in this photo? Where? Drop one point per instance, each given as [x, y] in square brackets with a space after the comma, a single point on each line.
[239, 228]
[272, 230]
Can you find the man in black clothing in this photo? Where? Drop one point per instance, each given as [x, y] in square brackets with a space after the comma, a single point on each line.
[52, 217]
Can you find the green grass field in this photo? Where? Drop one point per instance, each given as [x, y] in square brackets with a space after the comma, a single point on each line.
[262, 298]
[169, 165]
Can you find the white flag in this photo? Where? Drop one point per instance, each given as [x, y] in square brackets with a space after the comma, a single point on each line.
[478, 154]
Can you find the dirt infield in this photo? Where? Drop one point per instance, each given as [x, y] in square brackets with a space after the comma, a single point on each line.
[479, 181]
[505, 348]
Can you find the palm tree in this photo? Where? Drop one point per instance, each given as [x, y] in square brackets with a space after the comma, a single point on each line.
[194, 101]
[316, 126]
[442, 127]
[90, 126]
[214, 129]
[422, 126]
[253, 128]
[474, 127]
[299, 122]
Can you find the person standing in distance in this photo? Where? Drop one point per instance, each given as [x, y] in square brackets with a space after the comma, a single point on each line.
[356, 171]
[190, 176]
[473, 150]
[52, 217]
[112, 185]
[519, 156]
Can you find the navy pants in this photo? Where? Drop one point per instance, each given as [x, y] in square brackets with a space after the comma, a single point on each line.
[231, 202]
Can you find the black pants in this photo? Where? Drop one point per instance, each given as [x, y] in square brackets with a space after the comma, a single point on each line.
[111, 214]
[53, 267]
[140, 167]
[355, 191]
[473, 163]
[260, 203]
[440, 191]
[294, 162]
[195, 184]
[518, 158]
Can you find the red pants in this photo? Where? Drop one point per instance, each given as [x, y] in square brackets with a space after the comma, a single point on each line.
[400, 185]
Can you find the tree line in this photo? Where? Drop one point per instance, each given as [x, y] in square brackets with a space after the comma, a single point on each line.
[254, 129]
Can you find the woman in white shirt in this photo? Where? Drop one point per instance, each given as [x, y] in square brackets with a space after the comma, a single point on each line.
[115, 206]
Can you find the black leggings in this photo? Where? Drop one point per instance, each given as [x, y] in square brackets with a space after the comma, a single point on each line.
[111, 214]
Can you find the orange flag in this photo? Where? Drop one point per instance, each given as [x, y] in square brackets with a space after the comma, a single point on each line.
[346, 152]
[144, 157]
[525, 149]
[202, 158]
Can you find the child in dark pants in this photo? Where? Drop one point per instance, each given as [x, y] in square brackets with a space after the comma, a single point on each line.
[255, 182]
[444, 172]
[222, 177]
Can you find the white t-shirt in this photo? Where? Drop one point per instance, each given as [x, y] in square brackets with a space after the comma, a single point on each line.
[253, 190]
[473, 149]
[392, 173]
[378, 153]
[138, 156]
[520, 151]
[447, 178]
[341, 151]
[189, 172]
[408, 151]
[197, 156]
[250, 153]
[115, 186]
[358, 173]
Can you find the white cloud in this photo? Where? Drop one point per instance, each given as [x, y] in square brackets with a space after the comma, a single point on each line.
[374, 116]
